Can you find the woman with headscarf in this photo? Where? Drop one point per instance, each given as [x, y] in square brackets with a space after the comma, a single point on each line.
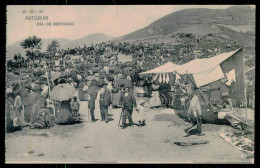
[37, 106]
[43, 120]
[148, 87]
[155, 99]
[65, 115]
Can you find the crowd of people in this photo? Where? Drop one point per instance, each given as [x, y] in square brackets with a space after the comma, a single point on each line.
[97, 74]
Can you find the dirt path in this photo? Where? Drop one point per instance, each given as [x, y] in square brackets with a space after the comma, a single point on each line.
[106, 142]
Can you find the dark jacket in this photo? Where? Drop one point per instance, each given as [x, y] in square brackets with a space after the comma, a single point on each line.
[128, 102]
[92, 91]
[105, 98]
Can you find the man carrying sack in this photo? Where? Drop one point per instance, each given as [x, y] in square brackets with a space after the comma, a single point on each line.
[194, 111]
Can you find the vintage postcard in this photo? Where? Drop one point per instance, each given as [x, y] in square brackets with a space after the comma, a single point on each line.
[130, 84]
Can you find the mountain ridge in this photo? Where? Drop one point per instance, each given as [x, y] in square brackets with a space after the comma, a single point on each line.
[196, 20]
[95, 38]
[228, 22]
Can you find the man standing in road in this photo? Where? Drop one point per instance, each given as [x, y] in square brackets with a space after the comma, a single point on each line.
[91, 103]
[194, 111]
[127, 102]
[104, 97]
[18, 106]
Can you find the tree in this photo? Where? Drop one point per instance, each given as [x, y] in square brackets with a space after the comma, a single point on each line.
[15, 58]
[31, 43]
[19, 60]
[10, 65]
[19, 57]
[52, 48]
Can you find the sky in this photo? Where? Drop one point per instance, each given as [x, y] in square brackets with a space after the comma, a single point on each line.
[112, 20]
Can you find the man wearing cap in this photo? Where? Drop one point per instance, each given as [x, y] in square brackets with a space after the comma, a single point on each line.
[127, 102]
[104, 97]
[194, 111]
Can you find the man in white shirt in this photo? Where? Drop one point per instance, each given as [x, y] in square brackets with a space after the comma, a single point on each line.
[104, 98]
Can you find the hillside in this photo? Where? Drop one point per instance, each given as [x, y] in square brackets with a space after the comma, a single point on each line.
[200, 21]
[15, 48]
[87, 40]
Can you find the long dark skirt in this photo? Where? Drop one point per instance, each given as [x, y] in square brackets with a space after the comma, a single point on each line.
[116, 99]
[43, 121]
[65, 115]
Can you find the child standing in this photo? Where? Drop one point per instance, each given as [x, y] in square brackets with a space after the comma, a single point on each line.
[75, 108]
[141, 113]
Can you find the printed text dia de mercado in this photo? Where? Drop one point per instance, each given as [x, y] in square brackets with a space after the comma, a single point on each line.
[63, 23]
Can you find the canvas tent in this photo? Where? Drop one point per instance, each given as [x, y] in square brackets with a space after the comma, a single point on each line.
[209, 74]
[207, 70]
[163, 72]
[250, 71]
[223, 73]
[168, 67]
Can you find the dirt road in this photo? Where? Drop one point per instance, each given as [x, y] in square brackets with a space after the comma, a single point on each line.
[105, 142]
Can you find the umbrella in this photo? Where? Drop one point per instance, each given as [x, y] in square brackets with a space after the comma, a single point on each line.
[129, 63]
[62, 92]
[9, 90]
[95, 69]
[37, 88]
[12, 76]
[90, 78]
[113, 68]
[26, 76]
[55, 75]
[79, 77]
[68, 70]
[69, 79]
[57, 68]
[125, 82]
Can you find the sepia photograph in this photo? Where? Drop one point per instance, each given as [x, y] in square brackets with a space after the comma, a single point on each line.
[130, 84]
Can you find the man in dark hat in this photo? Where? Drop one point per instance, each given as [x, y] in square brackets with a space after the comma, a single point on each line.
[104, 97]
[127, 101]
